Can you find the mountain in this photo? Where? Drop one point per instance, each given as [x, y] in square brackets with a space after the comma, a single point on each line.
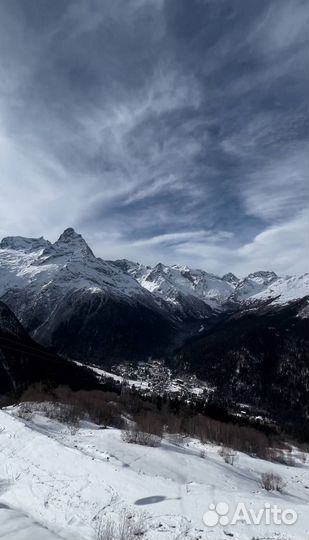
[260, 287]
[246, 337]
[189, 293]
[23, 361]
[252, 345]
[101, 312]
[196, 293]
[78, 304]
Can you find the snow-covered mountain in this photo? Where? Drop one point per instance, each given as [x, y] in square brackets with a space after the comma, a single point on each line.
[103, 312]
[68, 263]
[96, 310]
[188, 291]
[79, 304]
[267, 286]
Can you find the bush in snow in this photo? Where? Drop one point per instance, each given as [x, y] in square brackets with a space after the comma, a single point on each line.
[229, 455]
[69, 407]
[135, 436]
[129, 527]
[282, 456]
[302, 456]
[240, 438]
[24, 411]
[147, 430]
[272, 482]
[64, 413]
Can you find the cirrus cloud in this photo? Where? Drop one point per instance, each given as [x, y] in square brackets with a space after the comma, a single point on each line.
[162, 130]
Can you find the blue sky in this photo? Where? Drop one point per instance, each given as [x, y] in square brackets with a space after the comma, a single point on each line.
[162, 130]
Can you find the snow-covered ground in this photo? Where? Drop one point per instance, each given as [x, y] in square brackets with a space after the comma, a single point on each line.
[58, 481]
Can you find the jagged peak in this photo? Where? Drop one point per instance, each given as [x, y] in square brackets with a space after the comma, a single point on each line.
[264, 274]
[22, 243]
[71, 241]
[230, 278]
[68, 235]
[159, 268]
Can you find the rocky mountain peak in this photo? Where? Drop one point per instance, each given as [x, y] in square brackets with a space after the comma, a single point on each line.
[22, 243]
[71, 241]
[230, 278]
[69, 234]
[264, 276]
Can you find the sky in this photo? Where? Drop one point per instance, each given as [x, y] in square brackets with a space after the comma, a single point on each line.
[169, 131]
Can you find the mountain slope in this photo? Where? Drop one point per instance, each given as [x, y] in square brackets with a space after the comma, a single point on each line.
[260, 357]
[23, 361]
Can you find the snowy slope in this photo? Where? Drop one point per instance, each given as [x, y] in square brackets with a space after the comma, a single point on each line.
[58, 482]
[280, 290]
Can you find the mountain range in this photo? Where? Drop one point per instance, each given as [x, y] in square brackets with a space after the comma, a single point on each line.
[193, 293]
[234, 332]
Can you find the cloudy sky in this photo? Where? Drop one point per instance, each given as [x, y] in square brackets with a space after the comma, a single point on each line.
[162, 130]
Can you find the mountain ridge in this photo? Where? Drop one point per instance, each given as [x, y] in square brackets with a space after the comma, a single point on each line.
[89, 308]
[219, 293]
[176, 287]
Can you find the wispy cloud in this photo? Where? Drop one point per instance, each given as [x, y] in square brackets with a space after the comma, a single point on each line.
[173, 131]
[178, 238]
[279, 189]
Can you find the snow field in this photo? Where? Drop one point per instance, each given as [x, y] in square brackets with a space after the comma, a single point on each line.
[59, 482]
